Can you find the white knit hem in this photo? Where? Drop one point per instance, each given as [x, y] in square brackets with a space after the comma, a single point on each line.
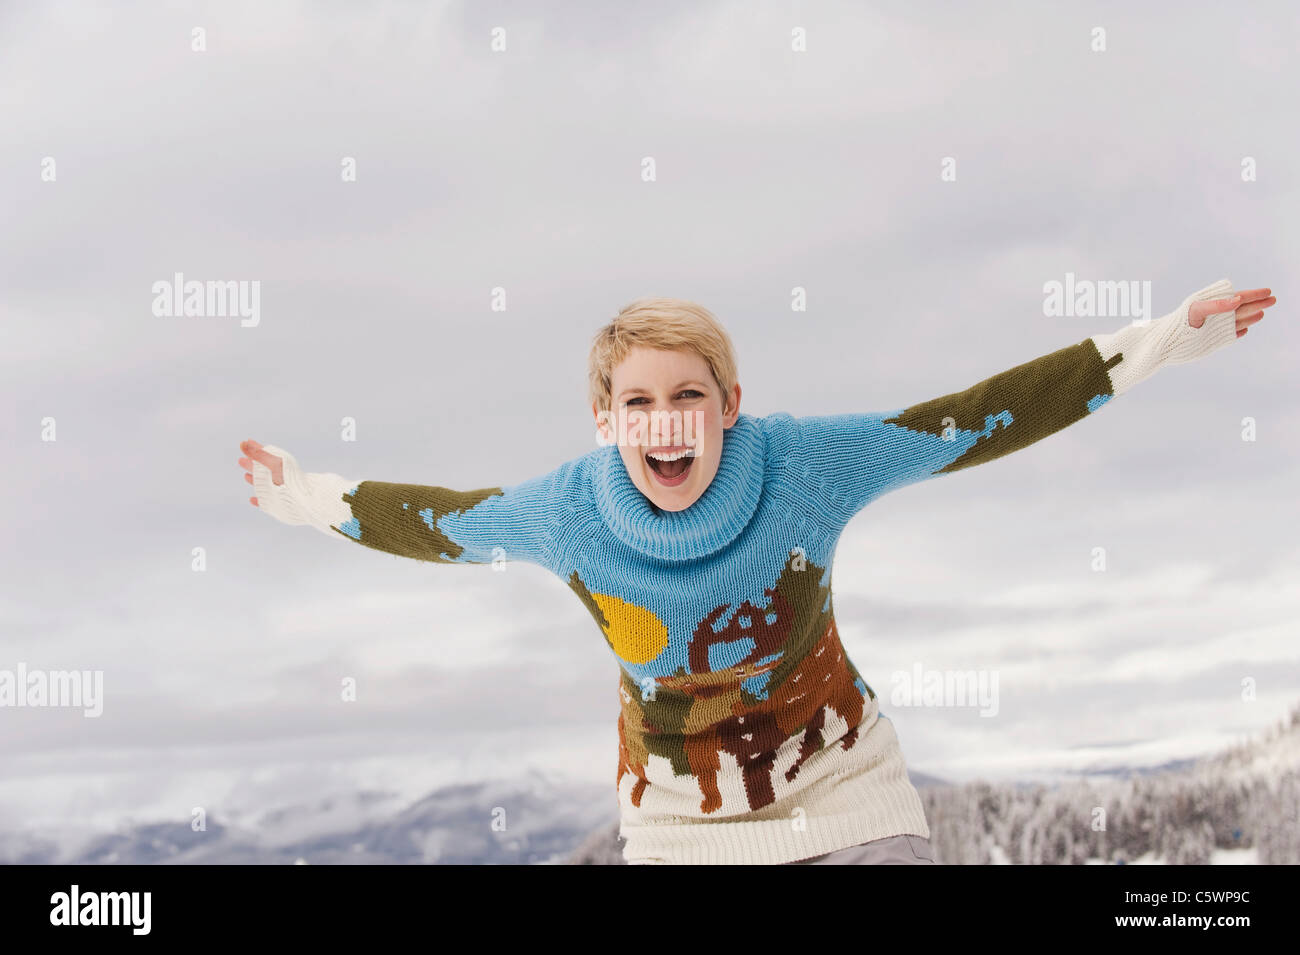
[870, 798]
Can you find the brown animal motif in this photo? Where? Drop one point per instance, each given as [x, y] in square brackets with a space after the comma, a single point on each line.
[692, 718]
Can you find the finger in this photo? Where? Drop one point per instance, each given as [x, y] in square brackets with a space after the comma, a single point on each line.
[246, 464]
[267, 459]
[253, 501]
[1199, 311]
[1241, 333]
[1260, 303]
[1250, 314]
[248, 478]
[1253, 294]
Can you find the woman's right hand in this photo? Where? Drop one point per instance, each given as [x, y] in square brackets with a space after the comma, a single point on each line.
[255, 452]
[291, 495]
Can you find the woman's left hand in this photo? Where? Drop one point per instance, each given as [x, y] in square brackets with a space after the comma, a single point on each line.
[1249, 310]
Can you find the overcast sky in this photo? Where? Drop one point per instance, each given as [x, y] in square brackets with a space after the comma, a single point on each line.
[522, 170]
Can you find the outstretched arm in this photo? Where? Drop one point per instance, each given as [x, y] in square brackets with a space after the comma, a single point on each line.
[854, 458]
[423, 522]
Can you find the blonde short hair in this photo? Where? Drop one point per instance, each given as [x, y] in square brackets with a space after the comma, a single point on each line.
[670, 323]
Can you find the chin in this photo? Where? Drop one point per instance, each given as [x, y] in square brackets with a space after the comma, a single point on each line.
[674, 505]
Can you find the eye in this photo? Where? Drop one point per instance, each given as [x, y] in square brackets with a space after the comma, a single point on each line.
[690, 393]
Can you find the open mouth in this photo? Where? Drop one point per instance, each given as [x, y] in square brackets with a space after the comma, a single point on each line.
[671, 467]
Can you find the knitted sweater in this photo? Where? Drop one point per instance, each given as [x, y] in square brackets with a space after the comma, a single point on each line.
[747, 734]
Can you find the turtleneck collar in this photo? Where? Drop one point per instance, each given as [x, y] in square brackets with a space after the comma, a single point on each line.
[708, 525]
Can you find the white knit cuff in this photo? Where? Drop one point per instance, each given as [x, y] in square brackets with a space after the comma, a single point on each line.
[304, 497]
[1169, 340]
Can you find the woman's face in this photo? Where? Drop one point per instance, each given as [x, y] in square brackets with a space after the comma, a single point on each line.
[665, 404]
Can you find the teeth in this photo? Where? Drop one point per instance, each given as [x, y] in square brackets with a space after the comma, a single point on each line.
[666, 456]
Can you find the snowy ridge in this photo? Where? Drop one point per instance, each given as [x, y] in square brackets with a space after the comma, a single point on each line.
[1236, 806]
[533, 819]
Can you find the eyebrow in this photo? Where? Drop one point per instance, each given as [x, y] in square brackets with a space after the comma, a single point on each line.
[680, 384]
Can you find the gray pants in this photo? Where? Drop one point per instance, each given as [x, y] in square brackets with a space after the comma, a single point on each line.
[894, 850]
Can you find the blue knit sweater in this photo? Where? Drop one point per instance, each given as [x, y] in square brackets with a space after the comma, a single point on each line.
[746, 732]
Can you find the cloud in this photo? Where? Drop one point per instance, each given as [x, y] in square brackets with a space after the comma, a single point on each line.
[521, 171]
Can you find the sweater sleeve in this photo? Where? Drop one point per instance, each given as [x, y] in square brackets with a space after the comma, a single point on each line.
[854, 458]
[422, 522]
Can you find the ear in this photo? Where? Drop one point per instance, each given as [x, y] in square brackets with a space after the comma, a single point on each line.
[602, 425]
[731, 409]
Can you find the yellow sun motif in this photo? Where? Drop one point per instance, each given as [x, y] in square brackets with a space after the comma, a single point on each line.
[636, 634]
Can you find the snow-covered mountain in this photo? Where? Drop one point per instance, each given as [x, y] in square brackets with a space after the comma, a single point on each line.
[1239, 805]
[530, 820]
